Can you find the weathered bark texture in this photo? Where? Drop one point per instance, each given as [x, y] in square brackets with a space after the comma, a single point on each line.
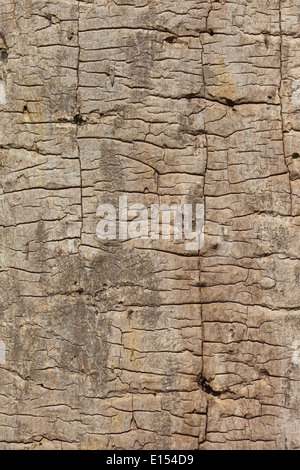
[141, 344]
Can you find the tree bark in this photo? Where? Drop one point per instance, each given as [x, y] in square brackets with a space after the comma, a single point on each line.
[140, 343]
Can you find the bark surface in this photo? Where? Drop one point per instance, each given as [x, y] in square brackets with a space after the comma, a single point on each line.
[139, 344]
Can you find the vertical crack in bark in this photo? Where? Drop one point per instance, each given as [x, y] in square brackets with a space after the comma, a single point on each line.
[199, 253]
[281, 106]
[206, 426]
[77, 127]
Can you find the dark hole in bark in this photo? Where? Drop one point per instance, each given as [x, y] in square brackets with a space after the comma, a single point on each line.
[171, 39]
[78, 119]
[295, 155]
[210, 32]
[191, 96]
[4, 55]
[229, 102]
[203, 383]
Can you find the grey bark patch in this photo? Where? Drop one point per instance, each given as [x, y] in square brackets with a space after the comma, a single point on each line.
[2, 352]
[2, 92]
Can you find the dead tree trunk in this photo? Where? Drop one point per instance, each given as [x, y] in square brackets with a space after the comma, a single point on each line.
[140, 343]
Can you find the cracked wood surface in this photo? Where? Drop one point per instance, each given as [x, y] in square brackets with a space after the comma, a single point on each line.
[139, 344]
